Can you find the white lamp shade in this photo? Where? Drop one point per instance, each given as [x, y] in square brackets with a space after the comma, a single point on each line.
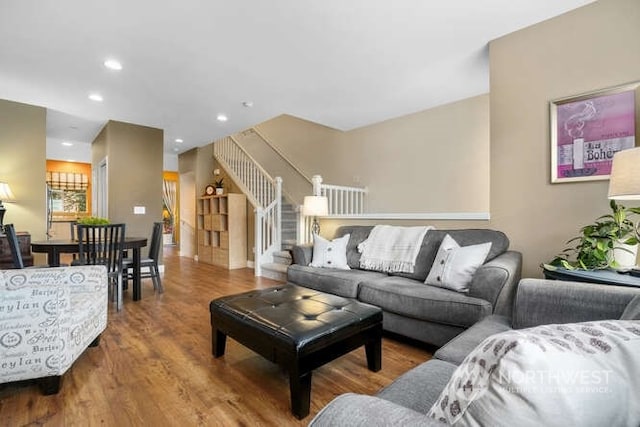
[624, 182]
[5, 193]
[315, 206]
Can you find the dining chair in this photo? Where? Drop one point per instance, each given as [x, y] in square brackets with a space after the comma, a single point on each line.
[102, 244]
[73, 235]
[150, 261]
[14, 246]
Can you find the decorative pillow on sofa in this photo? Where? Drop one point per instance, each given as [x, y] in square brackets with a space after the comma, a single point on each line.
[330, 253]
[455, 265]
[580, 374]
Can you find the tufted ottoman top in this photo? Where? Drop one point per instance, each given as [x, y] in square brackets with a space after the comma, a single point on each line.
[298, 318]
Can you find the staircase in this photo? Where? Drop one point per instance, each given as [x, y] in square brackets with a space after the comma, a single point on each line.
[278, 224]
[277, 269]
[289, 218]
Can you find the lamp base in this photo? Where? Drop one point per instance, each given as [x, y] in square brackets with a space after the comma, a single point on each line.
[315, 227]
[2, 211]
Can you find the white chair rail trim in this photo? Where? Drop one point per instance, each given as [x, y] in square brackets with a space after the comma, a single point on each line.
[449, 216]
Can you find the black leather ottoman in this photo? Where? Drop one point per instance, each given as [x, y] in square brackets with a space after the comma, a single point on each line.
[298, 328]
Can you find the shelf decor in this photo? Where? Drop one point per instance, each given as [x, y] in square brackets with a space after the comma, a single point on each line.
[588, 129]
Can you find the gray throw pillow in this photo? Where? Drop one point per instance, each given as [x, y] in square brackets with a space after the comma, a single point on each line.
[632, 312]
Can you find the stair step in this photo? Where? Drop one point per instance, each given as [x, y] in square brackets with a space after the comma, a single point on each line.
[275, 271]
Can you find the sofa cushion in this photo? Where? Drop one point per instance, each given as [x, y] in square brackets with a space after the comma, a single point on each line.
[415, 299]
[564, 374]
[330, 253]
[339, 282]
[430, 245]
[455, 266]
[359, 234]
[419, 388]
[433, 239]
[459, 347]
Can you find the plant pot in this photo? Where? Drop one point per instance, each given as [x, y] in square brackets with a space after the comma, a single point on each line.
[219, 190]
[625, 255]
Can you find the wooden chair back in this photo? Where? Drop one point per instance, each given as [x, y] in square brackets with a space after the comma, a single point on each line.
[101, 244]
[156, 241]
[14, 246]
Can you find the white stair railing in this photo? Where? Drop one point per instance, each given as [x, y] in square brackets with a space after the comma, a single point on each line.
[343, 201]
[263, 191]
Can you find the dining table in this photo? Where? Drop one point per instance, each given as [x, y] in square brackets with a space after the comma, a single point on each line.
[54, 247]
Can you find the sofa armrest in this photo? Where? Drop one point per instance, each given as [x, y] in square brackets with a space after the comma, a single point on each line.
[497, 280]
[541, 301]
[359, 410]
[301, 254]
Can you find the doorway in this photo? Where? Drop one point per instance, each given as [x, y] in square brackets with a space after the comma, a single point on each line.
[187, 183]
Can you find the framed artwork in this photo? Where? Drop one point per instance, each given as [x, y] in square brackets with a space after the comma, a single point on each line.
[587, 130]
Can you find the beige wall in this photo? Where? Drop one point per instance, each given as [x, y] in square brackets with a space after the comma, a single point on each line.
[432, 161]
[22, 165]
[134, 156]
[591, 48]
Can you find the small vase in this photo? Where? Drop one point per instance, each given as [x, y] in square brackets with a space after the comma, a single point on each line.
[625, 255]
[219, 190]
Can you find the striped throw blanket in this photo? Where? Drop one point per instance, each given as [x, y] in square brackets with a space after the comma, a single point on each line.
[392, 249]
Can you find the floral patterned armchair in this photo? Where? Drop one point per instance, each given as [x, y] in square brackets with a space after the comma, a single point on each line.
[48, 317]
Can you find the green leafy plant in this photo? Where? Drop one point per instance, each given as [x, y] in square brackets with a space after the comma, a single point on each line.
[593, 248]
[93, 220]
[219, 183]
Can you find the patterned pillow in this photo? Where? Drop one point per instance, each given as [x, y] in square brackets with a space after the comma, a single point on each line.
[581, 374]
[454, 265]
[330, 253]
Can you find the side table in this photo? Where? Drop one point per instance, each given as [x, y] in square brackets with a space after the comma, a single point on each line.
[606, 277]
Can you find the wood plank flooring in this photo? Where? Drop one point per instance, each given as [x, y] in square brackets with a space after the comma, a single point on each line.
[154, 366]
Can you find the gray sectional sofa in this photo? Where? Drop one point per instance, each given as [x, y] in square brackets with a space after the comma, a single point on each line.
[411, 308]
[410, 397]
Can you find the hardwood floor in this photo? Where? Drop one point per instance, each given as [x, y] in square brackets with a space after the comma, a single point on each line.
[154, 366]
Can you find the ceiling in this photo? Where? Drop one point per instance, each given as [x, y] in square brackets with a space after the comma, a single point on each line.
[341, 63]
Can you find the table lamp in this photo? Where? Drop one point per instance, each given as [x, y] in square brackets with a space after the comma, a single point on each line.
[624, 182]
[315, 206]
[5, 196]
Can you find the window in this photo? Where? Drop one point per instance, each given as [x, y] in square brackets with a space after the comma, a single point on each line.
[68, 200]
[67, 192]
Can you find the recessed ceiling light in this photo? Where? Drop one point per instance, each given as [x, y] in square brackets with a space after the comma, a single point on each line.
[179, 141]
[96, 97]
[113, 64]
[222, 118]
[176, 149]
[67, 144]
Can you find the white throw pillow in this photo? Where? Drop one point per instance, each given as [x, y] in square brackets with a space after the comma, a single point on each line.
[580, 374]
[455, 265]
[330, 253]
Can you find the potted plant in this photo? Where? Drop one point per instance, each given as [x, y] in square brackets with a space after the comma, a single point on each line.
[610, 242]
[93, 220]
[219, 185]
